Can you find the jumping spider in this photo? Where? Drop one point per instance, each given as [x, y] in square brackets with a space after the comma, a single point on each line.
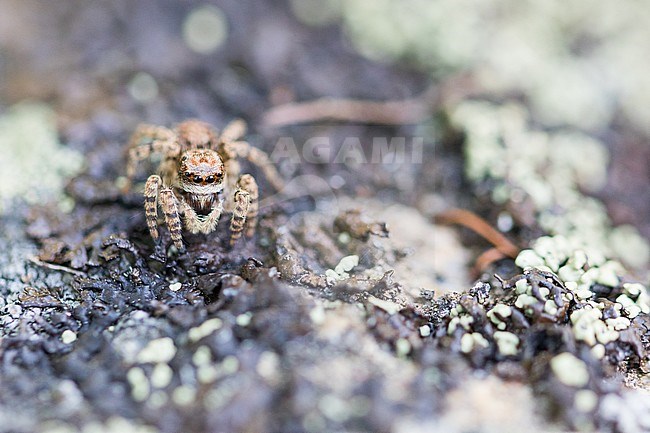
[199, 178]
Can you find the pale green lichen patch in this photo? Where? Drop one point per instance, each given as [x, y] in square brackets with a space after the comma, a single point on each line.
[388, 306]
[139, 383]
[402, 347]
[425, 330]
[472, 341]
[549, 171]
[68, 336]
[161, 375]
[268, 366]
[586, 400]
[507, 342]
[244, 319]
[202, 356]
[204, 329]
[158, 350]
[184, 395]
[580, 270]
[582, 87]
[342, 269]
[463, 320]
[570, 370]
[34, 164]
[498, 313]
[589, 326]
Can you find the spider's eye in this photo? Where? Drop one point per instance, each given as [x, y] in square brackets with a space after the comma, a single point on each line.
[219, 175]
[210, 179]
[198, 179]
[187, 174]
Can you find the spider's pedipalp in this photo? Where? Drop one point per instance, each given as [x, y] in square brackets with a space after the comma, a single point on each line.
[196, 223]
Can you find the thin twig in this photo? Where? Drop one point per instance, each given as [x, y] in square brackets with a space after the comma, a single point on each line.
[350, 110]
[487, 258]
[54, 267]
[393, 112]
[477, 224]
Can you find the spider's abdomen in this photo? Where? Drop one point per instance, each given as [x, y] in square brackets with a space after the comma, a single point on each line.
[194, 134]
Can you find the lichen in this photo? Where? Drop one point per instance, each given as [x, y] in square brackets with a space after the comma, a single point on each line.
[548, 171]
[34, 164]
[158, 350]
[576, 64]
[579, 273]
[570, 370]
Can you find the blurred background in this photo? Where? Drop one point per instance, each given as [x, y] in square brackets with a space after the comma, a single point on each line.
[90, 72]
[532, 114]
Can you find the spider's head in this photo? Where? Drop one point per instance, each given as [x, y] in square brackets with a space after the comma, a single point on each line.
[201, 171]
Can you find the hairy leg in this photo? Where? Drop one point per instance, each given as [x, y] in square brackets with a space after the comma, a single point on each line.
[242, 149]
[169, 205]
[231, 149]
[151, 204]
[148, 139]
[247, 183]
[233, 131]
[240, 210]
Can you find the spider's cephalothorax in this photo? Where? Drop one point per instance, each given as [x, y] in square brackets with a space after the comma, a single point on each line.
[199, 177]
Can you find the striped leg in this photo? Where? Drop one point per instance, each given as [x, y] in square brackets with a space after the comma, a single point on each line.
[243, 149]
[248, 184]
[242, 201]
[151, 204]
[230, 148]
[148, 139]
[168, 203]
[245, 209]
[233, 131]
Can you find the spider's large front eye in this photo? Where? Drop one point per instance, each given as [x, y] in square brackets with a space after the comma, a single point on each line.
[198, 179]
[210, 179]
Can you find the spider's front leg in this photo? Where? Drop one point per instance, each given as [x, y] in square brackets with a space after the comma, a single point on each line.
[151, 189]
[232, 149]
[245, 209]
[169, 205]
[145, 140]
